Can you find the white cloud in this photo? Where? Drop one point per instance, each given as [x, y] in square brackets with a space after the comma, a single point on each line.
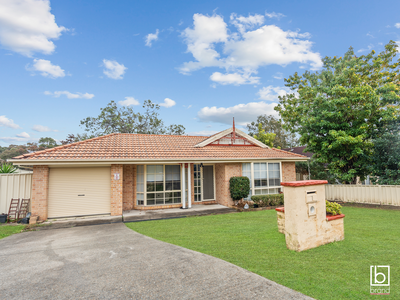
[4, 121]
[70, 95]
[168, 103]
[271, 93]
[151, 37]
[397, 25]
[278, 75]
[234, 78]
[243, 23]
[41, 128]
[47, 69]
[13, 139]
[274, 15]
[369, 48]
[23, 135]
[28, 26]
[246, 50]
[200, 42]
[128, 101]
[113, 69]
[203, 132]
[243, 113]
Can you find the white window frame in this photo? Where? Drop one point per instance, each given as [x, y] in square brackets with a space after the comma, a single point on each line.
[164, 191]
[253, 188]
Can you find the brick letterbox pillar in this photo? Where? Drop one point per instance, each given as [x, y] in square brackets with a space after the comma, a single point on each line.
[305, 221]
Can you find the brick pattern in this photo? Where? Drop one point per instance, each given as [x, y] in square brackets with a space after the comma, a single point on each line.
[288, 171]
[40, 187]
[117, 190]
[158, 206]
[128, 188]
[223, 172]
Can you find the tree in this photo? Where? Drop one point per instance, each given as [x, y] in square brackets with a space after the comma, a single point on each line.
[314, 168]
[263, 137]
[124, 120]
[386, 158]
[47, 142]
[72, 138]
[339, 110]
[270, 124]
[13, 151]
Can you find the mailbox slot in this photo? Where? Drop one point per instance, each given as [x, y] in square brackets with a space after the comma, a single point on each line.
[311, 196]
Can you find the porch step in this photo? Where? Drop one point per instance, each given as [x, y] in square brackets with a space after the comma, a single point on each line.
[138, 216]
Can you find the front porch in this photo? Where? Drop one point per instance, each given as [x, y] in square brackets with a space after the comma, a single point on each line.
[136, 188]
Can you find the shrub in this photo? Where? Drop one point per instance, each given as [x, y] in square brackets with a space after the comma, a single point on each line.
[268, 200]
[8, 168]
[333, 208]
[239, 187]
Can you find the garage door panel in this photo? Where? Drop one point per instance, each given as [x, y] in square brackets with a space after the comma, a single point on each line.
[65, 184]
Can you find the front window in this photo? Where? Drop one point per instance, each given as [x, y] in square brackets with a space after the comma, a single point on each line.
[163, 184]
[264, 178]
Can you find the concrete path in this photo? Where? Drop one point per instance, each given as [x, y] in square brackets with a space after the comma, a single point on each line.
[114, 262]
[138, 215]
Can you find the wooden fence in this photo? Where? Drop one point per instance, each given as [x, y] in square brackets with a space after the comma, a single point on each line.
[373, 194]
[14, 186]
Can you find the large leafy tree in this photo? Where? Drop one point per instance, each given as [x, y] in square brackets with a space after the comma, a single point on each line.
[271, 124]
[125, 120]
[386, 158]
[266, 138]
[338, 111]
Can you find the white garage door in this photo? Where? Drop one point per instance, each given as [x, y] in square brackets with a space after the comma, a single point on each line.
[79, 192]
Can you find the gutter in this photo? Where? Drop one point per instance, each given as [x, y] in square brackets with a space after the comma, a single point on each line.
[31, 162]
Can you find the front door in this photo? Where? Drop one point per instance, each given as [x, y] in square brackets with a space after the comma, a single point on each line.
[208, 183]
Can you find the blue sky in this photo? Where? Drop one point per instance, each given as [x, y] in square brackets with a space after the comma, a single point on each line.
[204, 61]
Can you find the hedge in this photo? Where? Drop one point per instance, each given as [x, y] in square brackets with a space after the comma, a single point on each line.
[268, 200]
[239, 187]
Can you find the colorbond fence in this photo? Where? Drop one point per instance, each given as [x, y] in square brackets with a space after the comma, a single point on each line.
[373, 194]
[14, 186]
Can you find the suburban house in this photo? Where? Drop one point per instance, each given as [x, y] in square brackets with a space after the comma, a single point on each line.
[118, 172]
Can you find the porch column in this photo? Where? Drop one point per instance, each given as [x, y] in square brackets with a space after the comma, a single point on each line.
[40, 187]
[117, 173]
[183, 187]
[189, 187]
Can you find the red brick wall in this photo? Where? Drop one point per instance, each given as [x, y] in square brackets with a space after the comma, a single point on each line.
[223, 172]
[128, 188]
[288, 171]
[40, 187]
[117, 190]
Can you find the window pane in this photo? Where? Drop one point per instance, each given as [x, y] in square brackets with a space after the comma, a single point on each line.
[140, 168]
[159, 169]
[151, 169]
[159, 186]
[150, 202]
[177, 200]
[168, 200]
[177, 185]
[151, 187]
[257, 183]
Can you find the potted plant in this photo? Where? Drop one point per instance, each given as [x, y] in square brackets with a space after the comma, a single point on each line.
[333, 208]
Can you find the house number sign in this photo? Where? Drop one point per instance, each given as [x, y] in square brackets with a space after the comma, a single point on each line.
[116, 176]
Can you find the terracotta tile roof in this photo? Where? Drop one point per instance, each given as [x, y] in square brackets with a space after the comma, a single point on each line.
[124, 146]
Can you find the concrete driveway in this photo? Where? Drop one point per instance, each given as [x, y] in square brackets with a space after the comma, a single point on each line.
[114, 262]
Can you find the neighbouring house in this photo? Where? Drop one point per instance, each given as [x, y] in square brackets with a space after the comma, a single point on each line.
[118, 172]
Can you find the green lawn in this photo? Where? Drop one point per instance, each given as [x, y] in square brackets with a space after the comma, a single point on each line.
[251, 240]
[6, 230]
